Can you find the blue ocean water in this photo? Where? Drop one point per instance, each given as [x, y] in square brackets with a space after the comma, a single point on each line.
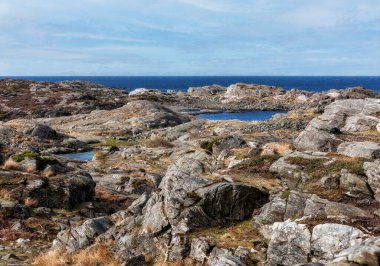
[181, 83]
[245, 116]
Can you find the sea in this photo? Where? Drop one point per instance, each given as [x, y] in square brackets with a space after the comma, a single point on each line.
[182, 83]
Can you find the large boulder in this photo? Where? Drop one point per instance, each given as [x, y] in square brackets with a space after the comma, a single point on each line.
[193, 201]
[372, 171]
[221, 256]
[368, 150]
[206, 90]
[297, 205]
[81, 236]
[42, 132]
[289, 244]
[322, 133]
[329, 239]
[364, 253]
[201, 248]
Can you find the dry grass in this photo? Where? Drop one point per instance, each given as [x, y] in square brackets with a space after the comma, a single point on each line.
[30, 202]
[103, 195]
[233, 236]
[51, 258]
[11, 165]
[8, 234]
[185, 262]
[157, 142]
[274, 148]
[97, 255]
[5, 194]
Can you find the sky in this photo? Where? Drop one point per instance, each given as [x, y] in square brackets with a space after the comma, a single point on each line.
[189, 37]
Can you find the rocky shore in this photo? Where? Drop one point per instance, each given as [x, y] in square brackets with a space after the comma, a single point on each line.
[166, 188]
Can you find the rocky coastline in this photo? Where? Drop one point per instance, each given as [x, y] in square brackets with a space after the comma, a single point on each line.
[167, 188]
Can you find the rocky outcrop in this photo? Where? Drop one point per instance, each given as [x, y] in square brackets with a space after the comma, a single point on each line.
[192, 201]
[329, 239]
[289, 244]
[307, 207]
[45, 182]
[186, 200]
[51, 99]
[293, 243]
[372, 170]
[364, 253]
[221, 256]
[21, 135]
[82, 236]
[134, 117]
[206, 90]
[322, 133]
[368, 150]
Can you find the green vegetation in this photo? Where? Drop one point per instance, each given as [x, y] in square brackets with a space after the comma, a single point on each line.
[113, 149]
[260, 160]
[115, 143]
[316, 168]
[42, 160]
[207, 144]
[22, 156]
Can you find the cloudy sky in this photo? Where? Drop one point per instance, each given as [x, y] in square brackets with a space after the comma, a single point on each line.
[190, 37]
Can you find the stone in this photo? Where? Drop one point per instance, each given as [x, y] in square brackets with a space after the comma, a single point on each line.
[360, 123]
[43, 211]
[221, 256]
[368, 150]
[206, 90]
[35, 184]
[42, 132]
[329, 239]
[228, 143]
[372, 171]
[81, 236]
[316, 140]
[10, 256]
[364, 253]
[289, 244]
[179, 247]
[318, 208]
[329, 181]
[322, 133]
[276, 148]
[201, 248]
[155, 220]
[354, 184]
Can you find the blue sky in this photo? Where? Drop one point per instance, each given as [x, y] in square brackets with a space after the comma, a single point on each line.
[190, 37]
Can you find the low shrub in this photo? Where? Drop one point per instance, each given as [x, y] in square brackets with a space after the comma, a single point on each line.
[157, 142]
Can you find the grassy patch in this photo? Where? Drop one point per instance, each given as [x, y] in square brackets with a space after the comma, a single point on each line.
[115, 143]
[158, 142]
[232, 236]
[43, 160]
[316, 168]
[208, 144]
[261, 160]
[22, 156]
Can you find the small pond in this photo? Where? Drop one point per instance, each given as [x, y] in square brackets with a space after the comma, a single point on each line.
[244, 116]
[84, 156]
